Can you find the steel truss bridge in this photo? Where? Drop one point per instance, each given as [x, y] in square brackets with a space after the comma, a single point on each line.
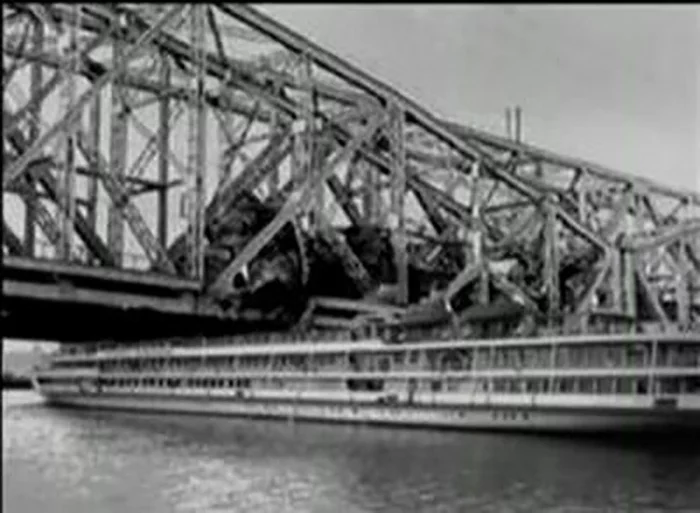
[141, 141]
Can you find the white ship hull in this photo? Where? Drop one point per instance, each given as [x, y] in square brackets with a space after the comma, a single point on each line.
[489, 416]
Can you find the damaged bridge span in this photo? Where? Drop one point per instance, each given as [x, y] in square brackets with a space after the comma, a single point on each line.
[196, 169]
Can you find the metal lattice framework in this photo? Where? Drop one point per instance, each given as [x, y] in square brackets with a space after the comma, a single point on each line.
[129, 109]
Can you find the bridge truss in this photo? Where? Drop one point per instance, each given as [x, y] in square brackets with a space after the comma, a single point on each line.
[158, 129]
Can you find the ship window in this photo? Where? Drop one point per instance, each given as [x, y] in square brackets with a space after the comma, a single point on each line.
[566, 385]
[625, 386]
[453, 384]
[436, 385]
[641, 386]
[605, 386]
[585, 385]
[415, 356]
[384, 364]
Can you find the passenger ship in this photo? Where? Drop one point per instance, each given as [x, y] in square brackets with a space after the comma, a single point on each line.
[587, 383]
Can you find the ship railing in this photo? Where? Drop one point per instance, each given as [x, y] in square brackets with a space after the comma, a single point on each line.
[137, 349]
[67, 373]
[113, 349]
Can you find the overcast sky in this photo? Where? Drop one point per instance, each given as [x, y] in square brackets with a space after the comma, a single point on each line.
[619, 85]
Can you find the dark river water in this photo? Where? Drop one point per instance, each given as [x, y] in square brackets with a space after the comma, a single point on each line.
[77, 461]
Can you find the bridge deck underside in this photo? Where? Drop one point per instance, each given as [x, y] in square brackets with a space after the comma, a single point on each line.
[25, 319]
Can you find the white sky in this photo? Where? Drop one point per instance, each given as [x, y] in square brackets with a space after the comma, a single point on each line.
[619, 85]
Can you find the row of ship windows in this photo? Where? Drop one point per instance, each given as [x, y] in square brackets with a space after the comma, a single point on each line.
[460, 359]
[498, 385]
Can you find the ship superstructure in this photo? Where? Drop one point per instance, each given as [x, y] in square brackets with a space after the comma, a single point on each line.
[566, 383]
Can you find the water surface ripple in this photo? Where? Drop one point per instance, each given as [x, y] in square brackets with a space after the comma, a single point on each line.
[88, 461]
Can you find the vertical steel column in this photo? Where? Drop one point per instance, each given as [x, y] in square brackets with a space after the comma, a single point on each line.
[583, 203]
[163, 144]
[196, 146]
[117, 148]
[682, 286]
[95, 134]
[398, 194]
[312, 143]
[309, 165]
[228, 145]
[67, 146]
[477, 234]
[273, 181]
[300, 152]
[629, 283]
[615, 283]
[371, 193]
[509, 129]
[35, 83]
[551, 261]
